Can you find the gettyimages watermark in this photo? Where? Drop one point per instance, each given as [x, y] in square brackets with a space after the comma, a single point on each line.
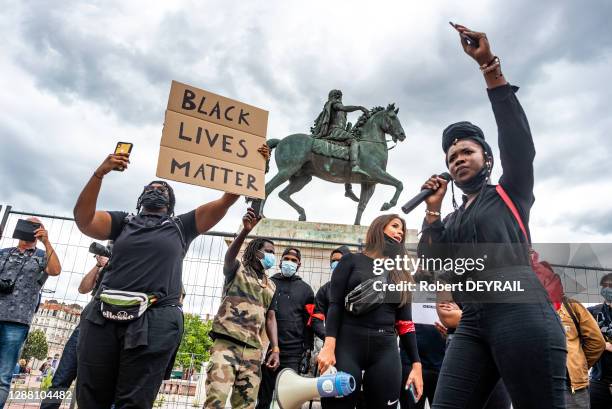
[492, 272]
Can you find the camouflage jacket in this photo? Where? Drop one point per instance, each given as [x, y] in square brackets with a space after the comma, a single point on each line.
[242, 313]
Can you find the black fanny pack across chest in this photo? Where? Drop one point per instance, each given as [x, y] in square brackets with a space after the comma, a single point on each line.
[364, 297]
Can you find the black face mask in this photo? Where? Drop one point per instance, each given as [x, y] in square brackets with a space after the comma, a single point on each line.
[392, 247]
[154, 200]
[474, 184]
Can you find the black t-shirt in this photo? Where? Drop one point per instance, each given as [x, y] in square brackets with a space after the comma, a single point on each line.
[148, 253]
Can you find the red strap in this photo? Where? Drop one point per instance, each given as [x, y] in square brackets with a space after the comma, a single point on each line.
[404, 327]
[310, 311]
[500, 190]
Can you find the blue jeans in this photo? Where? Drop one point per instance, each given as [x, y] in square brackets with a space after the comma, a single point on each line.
[12, 337]
[66, 371]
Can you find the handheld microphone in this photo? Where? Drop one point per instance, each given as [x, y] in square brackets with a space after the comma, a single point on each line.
[422, 195]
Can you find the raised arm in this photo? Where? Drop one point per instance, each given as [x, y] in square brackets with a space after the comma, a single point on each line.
[211, 213]
[92, 222]
[230, 265]
[516, 147]
[53, 267]
[89, 280]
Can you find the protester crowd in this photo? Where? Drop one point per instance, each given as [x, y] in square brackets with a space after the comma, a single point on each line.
[534, 354]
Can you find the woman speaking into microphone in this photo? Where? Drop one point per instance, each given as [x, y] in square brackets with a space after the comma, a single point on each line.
[518, 339]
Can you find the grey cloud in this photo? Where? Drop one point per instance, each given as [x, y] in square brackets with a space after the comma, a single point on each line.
[433, 84]
[599, 222]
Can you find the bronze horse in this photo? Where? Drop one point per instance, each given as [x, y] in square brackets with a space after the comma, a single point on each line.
[298, 164]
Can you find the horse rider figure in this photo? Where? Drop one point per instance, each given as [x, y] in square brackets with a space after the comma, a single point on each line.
[331, 125]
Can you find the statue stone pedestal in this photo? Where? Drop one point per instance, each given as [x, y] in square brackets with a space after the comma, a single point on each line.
[315, 241]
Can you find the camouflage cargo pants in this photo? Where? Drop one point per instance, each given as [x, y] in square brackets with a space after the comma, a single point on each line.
[232, 367]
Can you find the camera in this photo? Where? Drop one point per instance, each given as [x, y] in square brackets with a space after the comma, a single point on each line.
[99, 250]
[6, 286]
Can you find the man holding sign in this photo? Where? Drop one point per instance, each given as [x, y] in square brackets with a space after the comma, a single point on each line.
[133, 325]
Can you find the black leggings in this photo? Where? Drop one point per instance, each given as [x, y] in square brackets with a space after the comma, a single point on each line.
[522, 343]
[376, 352]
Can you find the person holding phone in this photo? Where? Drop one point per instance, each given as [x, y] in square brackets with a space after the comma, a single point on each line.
[520, 341]
[130, 333]
[246, 310]
[23, 272]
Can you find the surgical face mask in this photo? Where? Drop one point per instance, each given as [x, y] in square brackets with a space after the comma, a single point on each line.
[288, 268]
[333, 265]
[268, 261]
[606, 293]
[154, 199]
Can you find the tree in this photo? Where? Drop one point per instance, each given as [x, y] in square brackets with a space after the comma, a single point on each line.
[196, 343]
[35, 346]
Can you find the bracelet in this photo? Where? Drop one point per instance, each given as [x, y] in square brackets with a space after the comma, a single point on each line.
[432, 213]
[275, 349]
[96, 175]
[491, 66]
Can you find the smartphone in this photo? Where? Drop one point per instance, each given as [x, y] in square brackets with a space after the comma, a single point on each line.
[24, 230]
[257, 206]
[411, 390]
[472, 42]
[123, 147]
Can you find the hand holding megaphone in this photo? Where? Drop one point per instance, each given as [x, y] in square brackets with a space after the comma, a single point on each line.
[326, 358]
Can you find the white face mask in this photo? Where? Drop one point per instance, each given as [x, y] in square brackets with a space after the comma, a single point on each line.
[288, 268]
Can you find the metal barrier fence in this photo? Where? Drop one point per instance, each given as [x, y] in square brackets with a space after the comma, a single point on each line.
[202, 279]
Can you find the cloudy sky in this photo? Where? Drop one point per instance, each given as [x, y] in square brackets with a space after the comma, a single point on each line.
[79, 76]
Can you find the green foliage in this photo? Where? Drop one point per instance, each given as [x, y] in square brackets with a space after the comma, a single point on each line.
[35, 346]
[196, 343]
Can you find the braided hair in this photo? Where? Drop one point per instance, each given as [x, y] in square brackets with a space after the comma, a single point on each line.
[171, 197]
[249, 257]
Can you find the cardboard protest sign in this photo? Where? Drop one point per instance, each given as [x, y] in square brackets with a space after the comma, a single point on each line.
[200, 170]
[214, 141]
[204, 105]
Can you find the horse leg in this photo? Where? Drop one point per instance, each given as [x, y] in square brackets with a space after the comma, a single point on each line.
[348, 192]
[367, 190]
[281, 177]
[296, 183]
[381, 176]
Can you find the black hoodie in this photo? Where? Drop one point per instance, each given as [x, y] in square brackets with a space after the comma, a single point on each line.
[292, 317]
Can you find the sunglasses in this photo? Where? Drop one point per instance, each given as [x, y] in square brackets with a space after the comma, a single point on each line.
[149, 188]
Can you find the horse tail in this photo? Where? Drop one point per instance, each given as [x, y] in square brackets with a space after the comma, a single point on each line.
[272, 143]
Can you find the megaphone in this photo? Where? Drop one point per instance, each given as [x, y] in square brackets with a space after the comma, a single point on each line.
[292, 390]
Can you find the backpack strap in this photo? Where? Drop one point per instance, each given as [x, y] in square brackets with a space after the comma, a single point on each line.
[179, 226]
[572, 314]
[502, 193]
